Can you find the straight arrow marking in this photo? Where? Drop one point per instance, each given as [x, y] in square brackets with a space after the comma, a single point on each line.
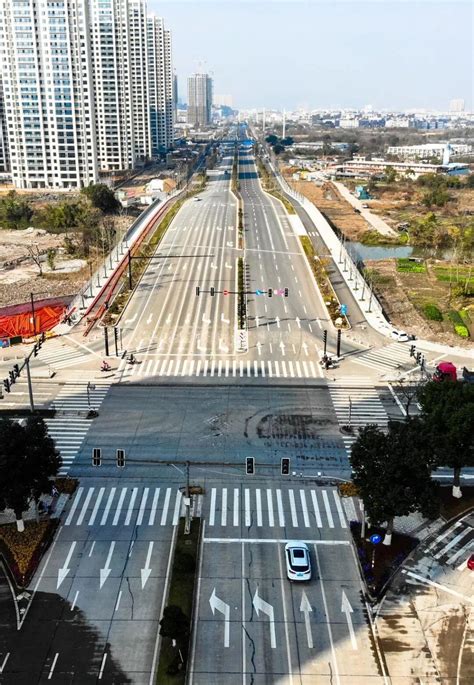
[62, 573]
[146, 572]
[105, 572]
[221, 606]
[306, 607]
[261, 605]
[347, 610]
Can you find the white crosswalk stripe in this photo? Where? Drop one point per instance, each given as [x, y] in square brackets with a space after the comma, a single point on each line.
[227, 508]
[68, 429]
[58, 354]
[454, 544]
[387, 358]
[356, 402]
[127, 506]
[219, 368]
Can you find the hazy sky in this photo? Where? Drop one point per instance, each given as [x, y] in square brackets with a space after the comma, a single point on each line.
[318, 53]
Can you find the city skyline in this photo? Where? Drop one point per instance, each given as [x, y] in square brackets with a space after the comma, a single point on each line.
[402, 68]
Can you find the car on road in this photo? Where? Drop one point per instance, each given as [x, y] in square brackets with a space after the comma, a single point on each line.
[365, 205]
[400, 336]
[197, 199]
[470, 562]
[298, 562]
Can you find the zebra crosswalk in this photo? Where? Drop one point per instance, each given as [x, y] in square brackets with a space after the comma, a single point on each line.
[356, 403]
[219, 368]
[454, 544]
[383, 359]
[221, 507]
[68, 431]
[57, 354]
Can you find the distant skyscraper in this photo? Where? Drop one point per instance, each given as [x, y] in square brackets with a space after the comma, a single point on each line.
[139, 78]
[456, 105]
[4, 153]
[112, 84]
[48, 87]
[199, 100]
[160, 85]
[175, 97]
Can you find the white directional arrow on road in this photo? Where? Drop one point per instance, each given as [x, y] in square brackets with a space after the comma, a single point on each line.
[205, 320]
[221, 606]
[146, 572]
[149, 319]
[306, 608]
[282, 346]
[259, 348]
[261, 605]
[228, 266]
[277, 319]
[105, 572]
[347, 610]
[298, 322]
[305, 348]
[223, 319]
[62, 573]
[213, 266]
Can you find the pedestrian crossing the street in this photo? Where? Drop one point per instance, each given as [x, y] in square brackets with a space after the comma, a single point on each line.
[57, 354]
[454, 544]
[221, 507]
[384, 359]
[356, 403]
[69, 430]
[218, 368]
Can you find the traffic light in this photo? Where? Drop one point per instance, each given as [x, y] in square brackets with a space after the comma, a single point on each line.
[35, 349]
[418, 357]
[42, 338]
[121, 458]
[325, 340]
[12, 377]
[16, 370]
[6, 384]
[198, 290]
[213, 292]
[285, 466]
[249, 466]
[270, 292]
[286, 292]
[412, 350]
[96, 456]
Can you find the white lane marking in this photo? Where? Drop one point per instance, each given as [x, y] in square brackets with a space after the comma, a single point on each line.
[91, 549]
[294, 518]
[326, 611]
[328, 508]
[224, 507]
[177, 507]
[236, 506]
[117, 604]
[96, 506]
[212, 512]
[7, 655]
[81, 516]
[427, 581]
[452, 543]
[166, 504]
[258, 498]
[271, 520]
[50, 674]
[130, 506]
[154, 504]
[119, 507]
[340, 512]
[72, 511]
[283, 369]
[73, 605]
[304, 508]
[277, 541]
[317, 514]
[281, 516]
[191, 367]
[102, 666]
[290, 369]
[247, 507]
[107, 507]
[142, 506]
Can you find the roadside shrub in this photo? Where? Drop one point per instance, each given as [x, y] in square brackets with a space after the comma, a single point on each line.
[462, 331]
[464, 314]
[432, 312]
[348, 490]
[459, 326]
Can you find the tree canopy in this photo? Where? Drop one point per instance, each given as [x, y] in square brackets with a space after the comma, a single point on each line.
[102, 197]
[28, 459]
[14, 212]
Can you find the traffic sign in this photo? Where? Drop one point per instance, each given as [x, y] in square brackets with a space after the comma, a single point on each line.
[343, 309]
[375, 539]
[259, 292]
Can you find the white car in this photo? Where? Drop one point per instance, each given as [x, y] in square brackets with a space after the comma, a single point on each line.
[400, 336]
[298, 562]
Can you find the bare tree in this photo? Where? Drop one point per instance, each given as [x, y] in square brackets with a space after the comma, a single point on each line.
[36, 255]
[407, 389]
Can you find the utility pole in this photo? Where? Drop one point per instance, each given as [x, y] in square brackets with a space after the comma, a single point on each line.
[30, 387]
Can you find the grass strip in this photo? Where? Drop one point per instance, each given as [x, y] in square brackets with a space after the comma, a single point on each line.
[23, 551]
[324, 284]
[172, 661]
[269, 185]
[242, 305]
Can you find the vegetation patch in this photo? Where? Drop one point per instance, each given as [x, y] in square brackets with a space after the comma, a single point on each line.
[432, 312]
[176, 621]
[348, 489]
[65, 485]
[269, 185]
[372, 237]
[406, 265]
[324, 284]
[23, 551]
[458, 323]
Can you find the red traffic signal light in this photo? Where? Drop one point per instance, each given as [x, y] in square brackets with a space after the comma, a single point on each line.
[225, 292]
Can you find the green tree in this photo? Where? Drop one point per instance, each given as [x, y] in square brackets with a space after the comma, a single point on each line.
[436, 197]
[28, 459]
[447, 413]
[469, 183]
[422, 230]
[15, 213]
[175, 623]
[393, 472]
[272, 139]
[61, 217]
[390, 175]
[102, 197]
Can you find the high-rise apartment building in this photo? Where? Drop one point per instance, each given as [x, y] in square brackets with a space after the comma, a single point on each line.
[456, 105]
[175, 97]
[139, 78]
[160, 86]
[4, 153]
[199, 100]
[45, 60]
[110, 52]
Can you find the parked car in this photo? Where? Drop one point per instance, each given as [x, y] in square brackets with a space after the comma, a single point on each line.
[298, 562]
[400, 336]
[365, 205]
[470, 562]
